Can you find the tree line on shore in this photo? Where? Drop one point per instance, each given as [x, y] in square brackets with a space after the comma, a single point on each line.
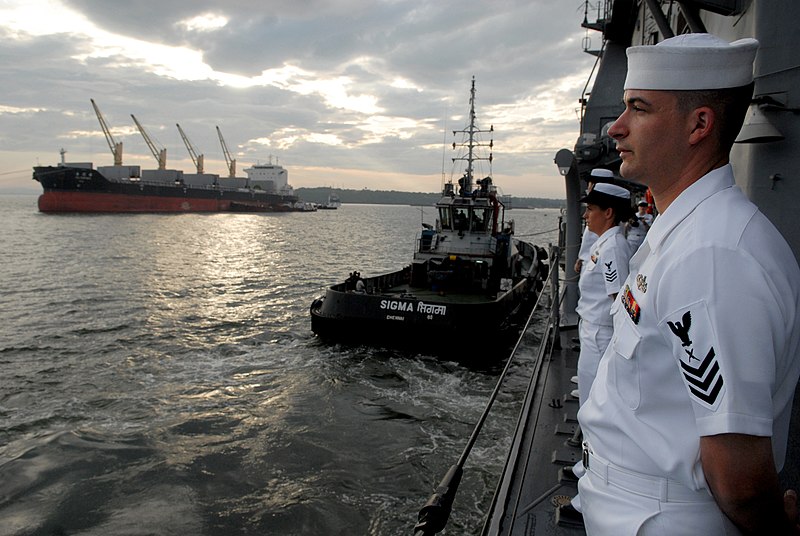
[392, 197]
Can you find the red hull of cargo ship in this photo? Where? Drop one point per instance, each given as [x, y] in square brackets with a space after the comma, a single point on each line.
[108, 202]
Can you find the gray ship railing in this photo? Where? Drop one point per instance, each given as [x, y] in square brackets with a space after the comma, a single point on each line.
[433, 516]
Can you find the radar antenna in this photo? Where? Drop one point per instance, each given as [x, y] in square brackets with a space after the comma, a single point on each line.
[471, 144]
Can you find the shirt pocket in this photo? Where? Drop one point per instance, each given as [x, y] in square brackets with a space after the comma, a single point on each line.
[625, 363]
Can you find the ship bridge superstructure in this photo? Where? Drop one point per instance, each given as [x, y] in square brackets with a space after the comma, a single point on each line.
[269, 177]
[471, 242]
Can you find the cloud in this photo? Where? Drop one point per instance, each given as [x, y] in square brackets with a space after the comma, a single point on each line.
[363, 85]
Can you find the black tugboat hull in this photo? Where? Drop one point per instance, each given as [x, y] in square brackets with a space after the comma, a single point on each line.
[417, 321]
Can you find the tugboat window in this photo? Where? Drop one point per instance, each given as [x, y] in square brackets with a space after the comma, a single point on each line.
[444, 218]
[461, 219]
[480, 218]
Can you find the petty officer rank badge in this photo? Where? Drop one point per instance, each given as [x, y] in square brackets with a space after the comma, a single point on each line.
[693, 342]
[610, 271]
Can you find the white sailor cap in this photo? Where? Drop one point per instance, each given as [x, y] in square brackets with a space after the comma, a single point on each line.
[607, 194]
[602, 173]
[693, 61]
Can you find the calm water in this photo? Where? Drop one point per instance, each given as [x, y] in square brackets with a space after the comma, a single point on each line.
[159, 376]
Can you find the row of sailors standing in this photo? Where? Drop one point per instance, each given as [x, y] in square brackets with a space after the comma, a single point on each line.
[612, 234]
[686, 423]
[603, 267]
[634, 229]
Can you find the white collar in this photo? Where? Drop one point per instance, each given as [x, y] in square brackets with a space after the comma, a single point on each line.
[608, 233]
[709, 184]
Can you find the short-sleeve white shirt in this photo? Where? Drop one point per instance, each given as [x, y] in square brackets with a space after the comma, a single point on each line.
[706, 337]
[602, 276]
[587, 241]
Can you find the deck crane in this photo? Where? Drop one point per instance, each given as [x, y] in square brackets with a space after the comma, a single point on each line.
[228, 160]
[159, 154]
[197, 159]
[116, 148]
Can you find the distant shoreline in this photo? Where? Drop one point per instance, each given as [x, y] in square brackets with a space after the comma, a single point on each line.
[368, 197]
[393, 197]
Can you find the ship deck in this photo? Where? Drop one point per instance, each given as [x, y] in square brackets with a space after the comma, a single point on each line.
[547, 439]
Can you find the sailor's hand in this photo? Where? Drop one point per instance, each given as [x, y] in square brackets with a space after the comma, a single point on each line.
[790, 507]
[578, 264]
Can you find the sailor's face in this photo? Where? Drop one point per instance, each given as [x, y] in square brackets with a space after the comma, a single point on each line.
[650, 134]
[596, 218]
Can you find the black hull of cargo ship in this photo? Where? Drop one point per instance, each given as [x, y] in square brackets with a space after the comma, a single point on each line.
[74, 189]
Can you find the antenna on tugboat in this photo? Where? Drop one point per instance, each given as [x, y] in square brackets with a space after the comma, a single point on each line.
[444, 146]
[471, 144]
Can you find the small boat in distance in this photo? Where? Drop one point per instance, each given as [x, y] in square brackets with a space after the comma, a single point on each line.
[467, 278]
[332, 203]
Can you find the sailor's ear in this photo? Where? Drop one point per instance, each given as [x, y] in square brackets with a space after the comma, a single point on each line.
[702, 122]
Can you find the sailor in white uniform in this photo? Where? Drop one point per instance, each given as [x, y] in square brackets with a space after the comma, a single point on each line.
[686, 424]
[637, 226]
[587, 241]
[607, 206]
[589, 238]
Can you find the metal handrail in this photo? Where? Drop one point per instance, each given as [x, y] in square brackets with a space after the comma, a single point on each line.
[551, 337]
[433, 516]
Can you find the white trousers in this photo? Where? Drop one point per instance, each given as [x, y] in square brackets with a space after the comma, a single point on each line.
[609, 509]
[594, 341]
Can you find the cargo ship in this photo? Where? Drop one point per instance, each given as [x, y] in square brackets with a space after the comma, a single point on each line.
[80, 187]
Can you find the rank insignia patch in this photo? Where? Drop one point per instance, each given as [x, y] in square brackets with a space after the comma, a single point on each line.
[611, 272]
[629, 302]
[693, 343]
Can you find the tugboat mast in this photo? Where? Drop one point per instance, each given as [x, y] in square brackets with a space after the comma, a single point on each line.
[471, 144]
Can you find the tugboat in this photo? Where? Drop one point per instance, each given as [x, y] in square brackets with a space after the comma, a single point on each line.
[468, 269]
[332, 203]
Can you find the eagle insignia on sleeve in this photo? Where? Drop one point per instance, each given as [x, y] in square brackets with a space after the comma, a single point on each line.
[681, 329]
[611, 272]
[693, 342]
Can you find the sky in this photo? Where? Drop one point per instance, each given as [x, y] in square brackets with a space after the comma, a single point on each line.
[343, 93]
